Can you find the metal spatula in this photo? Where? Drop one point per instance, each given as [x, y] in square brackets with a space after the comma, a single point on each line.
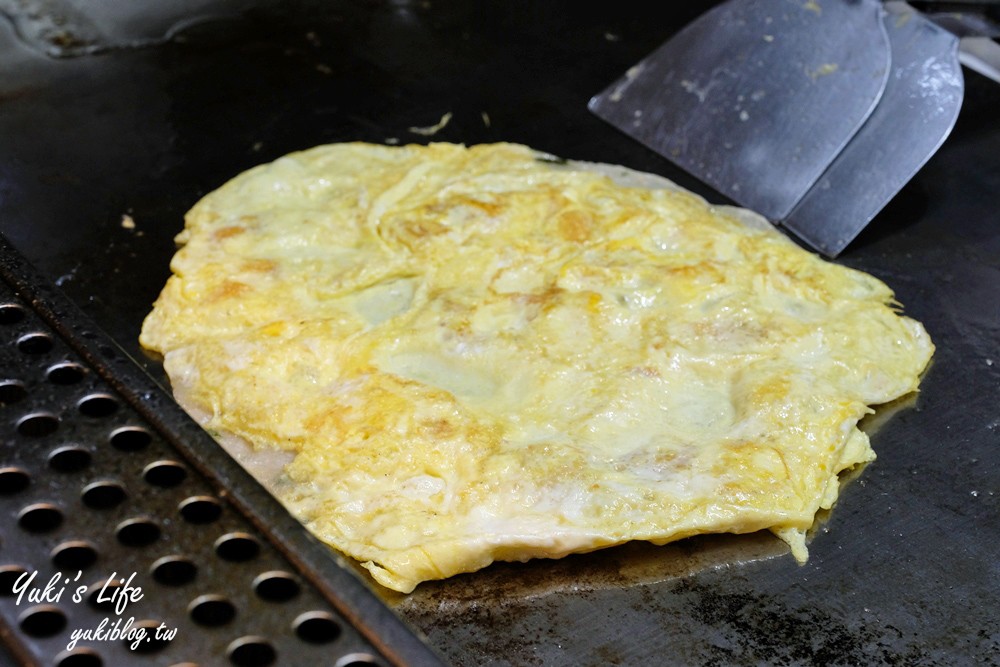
[913, 118]
[813, 113]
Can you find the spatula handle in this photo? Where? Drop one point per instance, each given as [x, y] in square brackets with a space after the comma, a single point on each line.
[969, 18]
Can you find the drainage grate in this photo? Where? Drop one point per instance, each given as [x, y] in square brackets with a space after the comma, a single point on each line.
[120, 516]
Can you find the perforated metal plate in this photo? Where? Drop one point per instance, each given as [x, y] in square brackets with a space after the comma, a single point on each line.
[122, 523]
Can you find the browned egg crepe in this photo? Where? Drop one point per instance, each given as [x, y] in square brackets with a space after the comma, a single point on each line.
[479, 354]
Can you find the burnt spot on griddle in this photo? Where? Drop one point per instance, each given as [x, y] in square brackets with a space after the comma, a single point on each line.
[501, 608]
[760, 628]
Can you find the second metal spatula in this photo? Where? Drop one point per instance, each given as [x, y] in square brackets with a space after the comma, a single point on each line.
[813, 113]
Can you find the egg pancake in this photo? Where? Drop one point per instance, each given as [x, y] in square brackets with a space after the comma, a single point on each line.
[478, 354]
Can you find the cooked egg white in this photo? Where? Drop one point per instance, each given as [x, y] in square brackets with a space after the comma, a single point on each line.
[476, 354]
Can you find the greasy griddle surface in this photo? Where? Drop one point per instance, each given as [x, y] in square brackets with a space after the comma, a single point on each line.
[904, 570]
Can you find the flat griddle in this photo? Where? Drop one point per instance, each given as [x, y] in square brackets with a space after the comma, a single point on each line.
[904, 570]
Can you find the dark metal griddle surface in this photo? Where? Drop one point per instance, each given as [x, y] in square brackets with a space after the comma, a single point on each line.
[904, 571]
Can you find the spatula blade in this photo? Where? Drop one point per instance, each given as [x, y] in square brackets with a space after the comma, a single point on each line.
[757, 97]
[914, 116]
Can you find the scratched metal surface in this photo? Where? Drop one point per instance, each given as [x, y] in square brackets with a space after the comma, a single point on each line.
[903, 571]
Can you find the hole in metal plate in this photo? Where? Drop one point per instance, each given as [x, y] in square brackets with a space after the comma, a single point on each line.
[164, 473]
[237, 547]
[200, 509]
[174, 571]
[38, 425]
[40, 518]
[101, 595]
[130, 439]
[98, 405]
[149, 642]
[80, 657]
[211, 610]
[76, 555]
[11, 314]
[140, 532]
[103, 495]
[35, 343]
[251, 652]
[43, 621]
[275, 586]
[316, 627]
[69, 459]
[66, 374]
[11, 391]
[9, 575]
[13, 480]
